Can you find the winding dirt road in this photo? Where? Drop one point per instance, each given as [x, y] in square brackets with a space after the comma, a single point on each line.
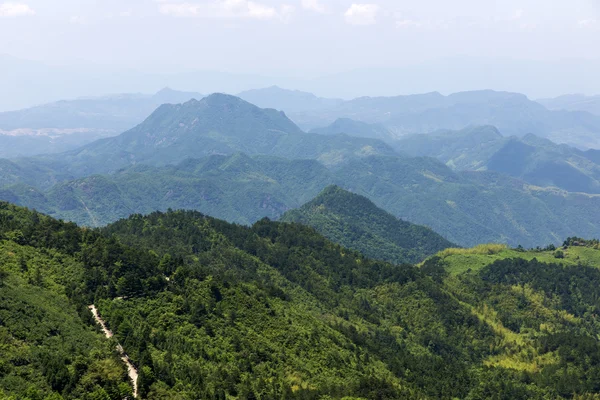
[131, 371]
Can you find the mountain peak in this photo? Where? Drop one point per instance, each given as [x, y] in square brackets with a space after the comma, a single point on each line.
[172, 96]
[221, 98]
[165, 90]
[375, 232]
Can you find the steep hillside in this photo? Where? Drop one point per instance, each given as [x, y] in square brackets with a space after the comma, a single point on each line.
[468, 149]
[356, 223]
[48, 342]
[207, 309]
[237, 188]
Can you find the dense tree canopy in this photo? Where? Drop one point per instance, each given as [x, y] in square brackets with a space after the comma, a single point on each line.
[208, 309]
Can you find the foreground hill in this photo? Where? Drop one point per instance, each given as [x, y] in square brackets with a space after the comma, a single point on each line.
[206, 309]
[530, 158]
[48, 342]
[356, 223]
[65, 125]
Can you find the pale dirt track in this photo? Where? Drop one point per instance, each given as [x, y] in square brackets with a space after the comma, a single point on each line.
[131, 371]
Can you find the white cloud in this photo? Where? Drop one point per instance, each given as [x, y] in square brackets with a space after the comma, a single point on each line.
[314, 5]
[225, 9]
[11, 9]
[362, 14]
[587, 23]
[286, 11]
[408, 23]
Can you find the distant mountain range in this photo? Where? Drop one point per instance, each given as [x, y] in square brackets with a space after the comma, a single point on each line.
[115, 113]
[217, 124]
[530, 158]
[191, 155]
[357, 129]
[291, 101]
[573, 102]
[512, 113]
[356, 223]
[65, 125]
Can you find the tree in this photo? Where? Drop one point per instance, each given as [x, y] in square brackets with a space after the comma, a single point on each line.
[3, 276]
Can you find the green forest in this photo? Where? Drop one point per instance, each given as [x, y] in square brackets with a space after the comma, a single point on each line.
[209, 309]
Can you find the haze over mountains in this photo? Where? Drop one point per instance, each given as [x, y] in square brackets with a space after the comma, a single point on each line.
[32, 82]
[66, 125]
[234, 160]
[371, 187]
[511, 113]
[299, 200]
[530, 158]
[573, 102]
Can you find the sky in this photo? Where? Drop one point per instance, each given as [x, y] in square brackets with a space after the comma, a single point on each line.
[299, 38]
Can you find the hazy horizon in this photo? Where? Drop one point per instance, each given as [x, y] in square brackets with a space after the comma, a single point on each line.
[338, 48]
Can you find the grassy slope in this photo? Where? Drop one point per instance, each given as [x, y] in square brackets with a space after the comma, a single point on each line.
[462, 260]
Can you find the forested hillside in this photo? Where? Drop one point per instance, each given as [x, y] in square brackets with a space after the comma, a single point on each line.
[356, 223]
[467, 208]
[207, 309]
[48, 343]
